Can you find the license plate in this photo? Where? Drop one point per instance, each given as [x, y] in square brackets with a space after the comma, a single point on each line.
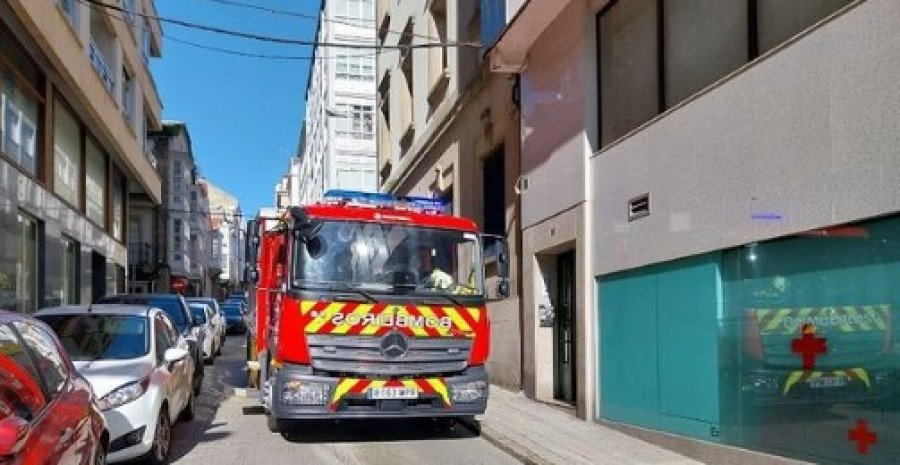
[380, 393]
[828, 382]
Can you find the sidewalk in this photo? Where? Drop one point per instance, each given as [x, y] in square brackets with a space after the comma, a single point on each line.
[540, 434]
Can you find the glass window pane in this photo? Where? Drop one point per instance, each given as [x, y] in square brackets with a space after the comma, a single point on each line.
[26, 279]
[66, 154]
[704, 41]
[47, 357]
[629, 93]
[779, 20]
[95, 185]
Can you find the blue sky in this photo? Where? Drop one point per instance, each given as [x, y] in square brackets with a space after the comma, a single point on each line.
[243, 114]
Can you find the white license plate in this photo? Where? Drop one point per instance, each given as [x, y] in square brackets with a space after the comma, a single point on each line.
[828, 382]
[379, 393]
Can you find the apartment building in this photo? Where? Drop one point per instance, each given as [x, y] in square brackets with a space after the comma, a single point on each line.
[76, 98]
[227, 223]
[725, 174]
[337, 149]
[448, 128]
[203, 269]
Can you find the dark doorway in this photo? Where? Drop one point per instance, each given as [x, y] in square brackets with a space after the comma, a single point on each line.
[98, 276]
[564, 387]
[493, 190]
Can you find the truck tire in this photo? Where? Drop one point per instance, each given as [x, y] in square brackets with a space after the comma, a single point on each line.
[274, 425]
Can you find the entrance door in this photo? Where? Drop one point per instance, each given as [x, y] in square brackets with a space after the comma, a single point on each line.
[98, 276]
[564, 330]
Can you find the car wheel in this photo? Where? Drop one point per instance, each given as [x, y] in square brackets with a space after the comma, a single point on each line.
[187, 414]
[100, 455]
[162, 441]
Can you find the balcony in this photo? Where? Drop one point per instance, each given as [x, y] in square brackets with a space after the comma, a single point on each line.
[100, 65]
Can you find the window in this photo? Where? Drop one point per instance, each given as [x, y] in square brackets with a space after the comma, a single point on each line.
[127, 96]
[437, 32]
[95, 186]
[655, 54]
[70, 8]
[45, 352]
[164, 337]
[19, 276]
[145, 41]
[66, 154]
[70, 256]
[19, 116]
[358, 12]
[119, 189]
[129, 10]
[176, 235]
[355, 121]
[354, 67]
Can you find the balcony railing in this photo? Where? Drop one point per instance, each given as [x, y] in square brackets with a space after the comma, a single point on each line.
[102, 68]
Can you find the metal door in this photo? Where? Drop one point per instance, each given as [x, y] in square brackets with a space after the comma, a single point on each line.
[564, 331]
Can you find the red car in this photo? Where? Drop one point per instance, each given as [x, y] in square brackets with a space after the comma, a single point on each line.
[48, 412]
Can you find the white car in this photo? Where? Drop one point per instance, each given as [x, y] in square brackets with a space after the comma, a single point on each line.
[139, 368]
[218, 320]
[203, 319]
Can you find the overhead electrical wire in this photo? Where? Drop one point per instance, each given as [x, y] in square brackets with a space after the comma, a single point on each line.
[273, 39]
[313, 17]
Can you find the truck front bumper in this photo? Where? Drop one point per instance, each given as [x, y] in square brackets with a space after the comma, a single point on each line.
[294, 393]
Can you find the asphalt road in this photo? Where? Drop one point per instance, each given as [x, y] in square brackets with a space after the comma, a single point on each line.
[229, 430]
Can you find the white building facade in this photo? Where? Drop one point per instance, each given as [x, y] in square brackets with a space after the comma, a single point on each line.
[338, 148]
[227, 237]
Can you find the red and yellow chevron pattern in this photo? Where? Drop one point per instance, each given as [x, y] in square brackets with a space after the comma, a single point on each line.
[359, 387]
[352, 318]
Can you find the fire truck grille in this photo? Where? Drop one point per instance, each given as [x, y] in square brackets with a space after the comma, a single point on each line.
[364, 355]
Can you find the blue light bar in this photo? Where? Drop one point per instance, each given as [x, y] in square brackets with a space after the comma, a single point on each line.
[387, 200]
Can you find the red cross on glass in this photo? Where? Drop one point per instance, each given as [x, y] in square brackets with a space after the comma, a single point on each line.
[809, 346]
[862, 437]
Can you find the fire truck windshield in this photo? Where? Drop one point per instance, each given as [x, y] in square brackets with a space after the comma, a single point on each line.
[388, 257]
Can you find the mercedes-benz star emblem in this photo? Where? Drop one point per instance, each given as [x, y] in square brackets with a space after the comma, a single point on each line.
[394, 345]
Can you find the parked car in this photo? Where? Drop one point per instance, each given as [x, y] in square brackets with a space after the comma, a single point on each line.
[203, 317]
[138, 366]
[235, 318]
[175, 306]
[49, 413]
[218, 321]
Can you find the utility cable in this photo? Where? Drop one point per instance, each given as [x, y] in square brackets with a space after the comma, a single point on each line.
[272, 39]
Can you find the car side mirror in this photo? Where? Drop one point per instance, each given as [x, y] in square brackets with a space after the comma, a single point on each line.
[12, 434]
[175, 354]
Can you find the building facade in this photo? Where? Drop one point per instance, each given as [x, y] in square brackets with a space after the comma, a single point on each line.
[448, 128]
[226, 221]
[734, 218]
[337, 149]
[76, 98]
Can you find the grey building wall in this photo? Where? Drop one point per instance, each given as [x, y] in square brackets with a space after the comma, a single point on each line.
[805, 137]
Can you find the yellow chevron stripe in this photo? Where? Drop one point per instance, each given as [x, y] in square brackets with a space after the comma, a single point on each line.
[427, 312]
[410, 384]
[852, 313]
[342, 388]
[438, 385]
[879, 314]
[775, 323]
[306, 306]
[791, 381]
[457, 319]
[419, 332]
[316, 324]
[862, 374]
[376, 384]
[344, 326]
[840, 312]
[761, 314]
[475, 313]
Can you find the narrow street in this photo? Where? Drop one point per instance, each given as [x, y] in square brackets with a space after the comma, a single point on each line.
[227, 430]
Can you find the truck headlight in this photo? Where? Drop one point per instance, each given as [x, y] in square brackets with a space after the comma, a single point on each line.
[468, 392]
[304, 393]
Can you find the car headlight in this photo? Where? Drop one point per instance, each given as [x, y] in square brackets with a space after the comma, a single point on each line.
[125, 394]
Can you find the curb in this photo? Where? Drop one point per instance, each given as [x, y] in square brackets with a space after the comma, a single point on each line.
[506, 444]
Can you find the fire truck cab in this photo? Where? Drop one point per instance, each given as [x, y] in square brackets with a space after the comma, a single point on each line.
[369, 305]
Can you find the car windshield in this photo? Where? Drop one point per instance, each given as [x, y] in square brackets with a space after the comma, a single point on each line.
[199, 314]
[377, 256]
[101, 337]
[172, 306]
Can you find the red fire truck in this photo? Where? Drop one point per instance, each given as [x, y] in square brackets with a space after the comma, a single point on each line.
[368, 305]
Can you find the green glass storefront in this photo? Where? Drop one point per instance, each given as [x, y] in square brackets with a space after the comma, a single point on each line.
[787, 346]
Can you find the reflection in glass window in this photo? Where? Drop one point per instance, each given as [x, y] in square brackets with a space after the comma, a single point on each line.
[89, 337]
[47, 357]
[19, 115]
[66, 154]
[20, 392]
[95, 184]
